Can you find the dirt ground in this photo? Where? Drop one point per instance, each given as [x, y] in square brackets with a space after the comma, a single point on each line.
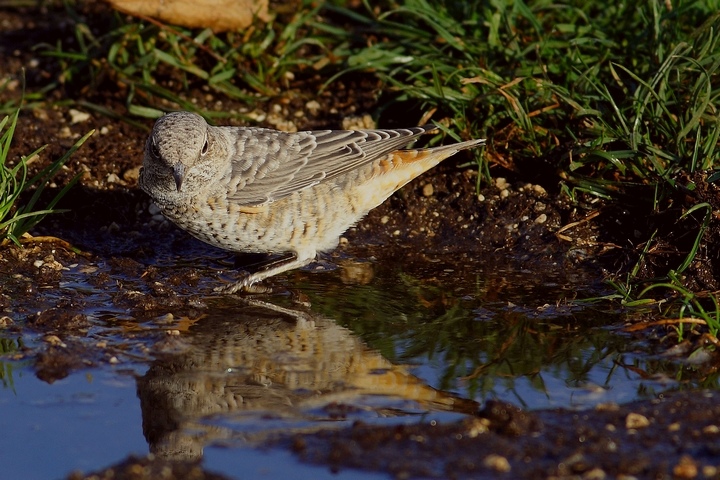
[112, 223]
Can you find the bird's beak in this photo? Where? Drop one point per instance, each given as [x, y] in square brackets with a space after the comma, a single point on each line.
[178, 173]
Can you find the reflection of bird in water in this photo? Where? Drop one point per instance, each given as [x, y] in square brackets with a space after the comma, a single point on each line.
[263, 366]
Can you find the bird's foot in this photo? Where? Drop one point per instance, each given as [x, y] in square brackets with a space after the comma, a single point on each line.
[246, 284]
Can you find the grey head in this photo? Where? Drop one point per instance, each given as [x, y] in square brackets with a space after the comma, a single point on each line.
[179, 154]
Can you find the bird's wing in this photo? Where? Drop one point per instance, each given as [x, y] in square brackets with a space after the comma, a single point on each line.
[269, 165]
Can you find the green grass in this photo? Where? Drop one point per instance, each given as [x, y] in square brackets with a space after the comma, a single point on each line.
[19, 215]
[602, 92]
[156, 63]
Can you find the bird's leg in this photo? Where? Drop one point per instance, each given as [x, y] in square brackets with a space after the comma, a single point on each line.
[246, 283]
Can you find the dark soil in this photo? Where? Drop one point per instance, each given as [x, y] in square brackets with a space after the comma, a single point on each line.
[670, 437]
[439, 214]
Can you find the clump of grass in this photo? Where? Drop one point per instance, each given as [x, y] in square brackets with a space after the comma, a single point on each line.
[157, 63]
[601, 93]
[17, 219]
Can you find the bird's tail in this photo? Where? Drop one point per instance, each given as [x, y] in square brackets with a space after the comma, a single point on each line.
[401, 166]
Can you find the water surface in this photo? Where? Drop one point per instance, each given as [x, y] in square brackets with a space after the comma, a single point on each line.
[360, 342]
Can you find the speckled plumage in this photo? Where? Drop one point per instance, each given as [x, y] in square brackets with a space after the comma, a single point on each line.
[260, 190]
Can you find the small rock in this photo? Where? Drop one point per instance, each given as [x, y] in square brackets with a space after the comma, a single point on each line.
[132, 174]
[364, 122]
[153, 209]
[76, 116]
[41, 114]
[501, 183]
[686, 468]
[65, 132]
[313, 106]
[497, 463]
[54, 340]
[596, 473]
[428, 190]
[113, 178]
[166, 319]
[636, 420]
[257, 115]
[711, 430]
[542, 218]
[476, 426]
[539, 190]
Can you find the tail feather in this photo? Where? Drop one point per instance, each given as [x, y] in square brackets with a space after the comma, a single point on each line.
[431, 156]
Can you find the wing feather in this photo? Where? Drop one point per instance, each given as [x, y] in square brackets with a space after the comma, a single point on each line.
[269, 165]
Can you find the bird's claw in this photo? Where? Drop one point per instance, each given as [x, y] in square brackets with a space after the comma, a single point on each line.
[245, 285]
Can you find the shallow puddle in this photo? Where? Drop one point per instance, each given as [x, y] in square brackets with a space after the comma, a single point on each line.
[359, 342]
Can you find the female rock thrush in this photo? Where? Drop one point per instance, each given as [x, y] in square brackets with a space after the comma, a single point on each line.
[259, 190]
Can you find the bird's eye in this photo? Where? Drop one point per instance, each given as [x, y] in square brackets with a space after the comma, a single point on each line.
[154, 149]
[205, 147]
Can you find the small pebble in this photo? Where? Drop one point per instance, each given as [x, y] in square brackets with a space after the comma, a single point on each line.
[501, 183]
[596, 473]
[76, 116]
[711, 430]
[313, 106]
[113, 178]
[709, 471]
[153, 209]
[539, 190]
[636, 420]
[364, 122]
[686, 468]
[132, 174]
[54, 340]
[497, 463]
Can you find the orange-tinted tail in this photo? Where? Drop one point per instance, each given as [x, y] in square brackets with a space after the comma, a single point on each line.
[400, 167]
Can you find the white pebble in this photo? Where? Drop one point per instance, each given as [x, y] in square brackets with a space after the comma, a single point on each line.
[76, 116]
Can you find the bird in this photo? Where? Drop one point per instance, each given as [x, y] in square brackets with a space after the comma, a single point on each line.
[258, 190]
